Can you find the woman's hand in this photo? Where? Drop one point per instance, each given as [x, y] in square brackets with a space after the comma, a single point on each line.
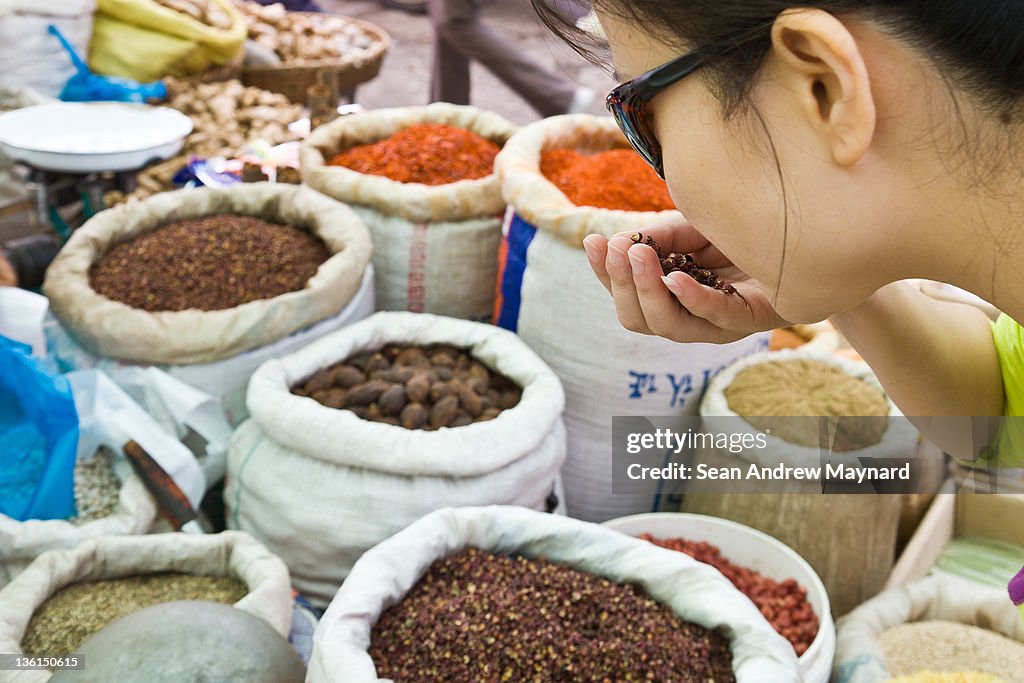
[677, 307]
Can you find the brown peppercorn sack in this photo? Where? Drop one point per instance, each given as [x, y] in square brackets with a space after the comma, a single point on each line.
[548, 294]
[320, 486]
[230, 553]
[435, 247]
[696, 592]
[213, 350]
[859, 657]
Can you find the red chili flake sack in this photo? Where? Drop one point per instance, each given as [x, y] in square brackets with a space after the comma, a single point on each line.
[477, 617]
[616, 179]
[783, 603]
[427, 153]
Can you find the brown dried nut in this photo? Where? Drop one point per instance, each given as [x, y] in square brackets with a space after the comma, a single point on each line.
[335, 398]
[320, 395]
[461, 420]
[442, 373]
[414, 416]
[441, 360]
[365, 394]
[510, 398]
[479, 371]
[387, 419]
[489, 414]
[462, 363]
[391, 352]
[347, 376]
[300, 391]
[494, 396]
[394, 375]
[360, 411]
[439, 390]
[359, 360]
[469, 400]
[418, 387]
[373, 412]
[377, 361]
[413, 357]
[478, 385]
[444, 411]
[392, 400]
[322, 379]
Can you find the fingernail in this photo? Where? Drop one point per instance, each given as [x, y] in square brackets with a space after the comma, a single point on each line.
[638, 263]
[592, 252]
[616, 257]
[669, 282]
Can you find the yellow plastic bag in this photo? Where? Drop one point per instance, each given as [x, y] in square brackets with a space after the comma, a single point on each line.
[144, 40]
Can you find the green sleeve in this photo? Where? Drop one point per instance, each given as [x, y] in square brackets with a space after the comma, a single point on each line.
[1009, 340]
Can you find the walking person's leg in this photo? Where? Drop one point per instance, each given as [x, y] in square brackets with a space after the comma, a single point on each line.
[450, 80]
[458, 26]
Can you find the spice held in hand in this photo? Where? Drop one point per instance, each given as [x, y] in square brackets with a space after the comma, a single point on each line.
[616, 179]
[210, 263]
[477, 617]
[684, 263]
[427, 153]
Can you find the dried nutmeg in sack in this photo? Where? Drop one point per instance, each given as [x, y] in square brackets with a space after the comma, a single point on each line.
[616, 179]
[211, 263]
[427, 153]
[479, 616]
[417, 387]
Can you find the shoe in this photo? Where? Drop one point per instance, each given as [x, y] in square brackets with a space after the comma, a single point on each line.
[581, 101]
[411, 6]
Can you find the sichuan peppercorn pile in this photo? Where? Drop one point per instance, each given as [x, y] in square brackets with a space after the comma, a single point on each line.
[208, 263]
[427, 387]
[616, 179]
[684, 263]
[477, 617]
[427, 153]
[783, 603]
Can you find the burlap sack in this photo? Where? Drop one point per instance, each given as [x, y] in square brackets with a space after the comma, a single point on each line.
[112, 329]
[429, 241]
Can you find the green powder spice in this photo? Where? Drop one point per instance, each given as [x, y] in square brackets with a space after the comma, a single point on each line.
[767, 394]
[73, 614]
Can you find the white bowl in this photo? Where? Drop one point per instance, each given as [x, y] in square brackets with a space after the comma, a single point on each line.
[87, 137]
[755, 550]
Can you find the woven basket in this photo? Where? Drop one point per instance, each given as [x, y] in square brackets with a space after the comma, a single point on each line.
[293, 80]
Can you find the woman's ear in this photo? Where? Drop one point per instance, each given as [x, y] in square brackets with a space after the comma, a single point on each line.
[822, 65]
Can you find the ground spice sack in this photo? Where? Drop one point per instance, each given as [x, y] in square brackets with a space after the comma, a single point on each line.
[435, 246]
[696, 592]
[321, 486]
[215, 351]
[548, 294]
[859, 653]
[229, 553]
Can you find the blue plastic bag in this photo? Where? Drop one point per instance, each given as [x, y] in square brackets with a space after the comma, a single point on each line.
[38, 437]
[85, 86]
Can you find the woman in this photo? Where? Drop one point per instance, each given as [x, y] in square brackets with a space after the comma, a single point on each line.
[821, 154]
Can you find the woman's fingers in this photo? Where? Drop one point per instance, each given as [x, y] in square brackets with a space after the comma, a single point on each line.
[596, 247]
[620, 267]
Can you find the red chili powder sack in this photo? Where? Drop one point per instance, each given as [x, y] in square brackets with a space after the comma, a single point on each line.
[428, 153]
[616, 179]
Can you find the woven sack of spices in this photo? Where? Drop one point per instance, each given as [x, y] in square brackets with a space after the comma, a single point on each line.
[435, 246]
[694, 591]
[320, 486]
[550, 296]
[27, 49]
[851, 572]
[215, 351]
[228, 554]
[146, 40]
[861, 635]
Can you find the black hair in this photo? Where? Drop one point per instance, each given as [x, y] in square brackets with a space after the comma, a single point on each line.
[976, 44]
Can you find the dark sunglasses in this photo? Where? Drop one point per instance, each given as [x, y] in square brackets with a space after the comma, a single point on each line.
[627, 103]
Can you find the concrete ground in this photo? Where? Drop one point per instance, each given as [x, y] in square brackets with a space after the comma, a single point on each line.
[405, 77]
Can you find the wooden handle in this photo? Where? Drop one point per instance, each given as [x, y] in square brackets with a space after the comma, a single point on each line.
[174, 506]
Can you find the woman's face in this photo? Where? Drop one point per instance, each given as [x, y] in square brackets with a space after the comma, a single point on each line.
[766, 187]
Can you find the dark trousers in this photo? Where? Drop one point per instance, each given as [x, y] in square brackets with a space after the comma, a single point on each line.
[460, 36]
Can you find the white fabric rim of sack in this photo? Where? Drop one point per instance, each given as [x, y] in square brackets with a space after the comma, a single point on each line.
[305, 425]
[113, 329]
[229, 553]
[54, 8]
[859, 657]
[384, 574]
[22, 542]
[542, 204]
[899, 439]
[414, 202]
